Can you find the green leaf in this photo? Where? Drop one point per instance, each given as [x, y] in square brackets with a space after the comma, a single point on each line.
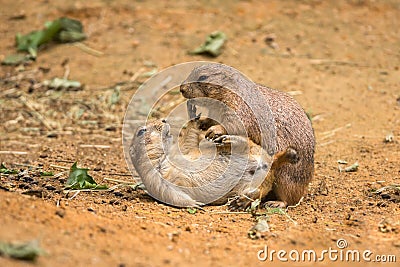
[212, 45]
[32, 52]
[16, 59]
[138, 185]
[254, 206]
[69, 37]
[31, 41]
[80, 179]
[26, 251]
[352, 168]
[274, 211]
[114, 98]
[61, 83]
[71, 25]
[4, 170]
[150, 73]
[191, 210]
[62, 30]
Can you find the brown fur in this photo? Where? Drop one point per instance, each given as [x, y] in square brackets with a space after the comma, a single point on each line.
[293, 128]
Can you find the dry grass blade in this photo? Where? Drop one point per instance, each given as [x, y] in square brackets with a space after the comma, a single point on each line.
[59, 167]
[94, 146]
[118, 181]
[88, 49]
[38, 116]
[395, 187]
[13, 152]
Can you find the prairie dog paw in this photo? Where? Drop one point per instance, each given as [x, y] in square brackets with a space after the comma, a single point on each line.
[222, 140]
[292, 156]
[240, 203]
[231, 140]
[215, 131]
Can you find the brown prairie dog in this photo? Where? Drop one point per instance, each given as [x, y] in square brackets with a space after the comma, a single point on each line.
[293, 128]
[151, 147]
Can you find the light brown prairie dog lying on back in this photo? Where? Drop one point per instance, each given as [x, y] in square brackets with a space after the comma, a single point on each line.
[232, 163]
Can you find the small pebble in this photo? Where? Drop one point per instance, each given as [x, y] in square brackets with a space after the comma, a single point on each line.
[50, 187]
[52, 135]
[111, 128]
[60, 213]
[118, 194]
[90, 209]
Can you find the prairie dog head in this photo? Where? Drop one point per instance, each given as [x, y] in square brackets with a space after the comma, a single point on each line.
[152, 140]
[212, 80]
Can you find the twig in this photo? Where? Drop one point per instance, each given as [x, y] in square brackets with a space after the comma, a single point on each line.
[229, 212]
[296, 205]
[337, 129]
[294, 93]
[317, 117]
[8, 92]
[332, 132]
[88, 49]
[336, 62]
[118, 181]
[74, 195]
[162, 83]
[95, 146]
[367, 136]
[284, 55]
[136, 75]
[90, 190]
[59, 174]
[39, 116]
[67, 71]
[394, 186]
[14, 152]
[233, 51]
[326, 143]
[27, 165]
[21, 75]
[290, 218]
[123, 174]
[109, 189]
[66, 161]
[59, 167]
[162, 224]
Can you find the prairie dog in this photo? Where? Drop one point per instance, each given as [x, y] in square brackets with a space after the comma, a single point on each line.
[242, 98]
[234, 162]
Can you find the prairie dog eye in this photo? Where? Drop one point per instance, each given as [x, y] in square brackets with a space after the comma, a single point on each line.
[141, 132]
[202, 78]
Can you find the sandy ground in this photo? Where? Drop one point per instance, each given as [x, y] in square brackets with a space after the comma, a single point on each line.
[340, 57]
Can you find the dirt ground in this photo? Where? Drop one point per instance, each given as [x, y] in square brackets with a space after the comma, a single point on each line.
[340, 59]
